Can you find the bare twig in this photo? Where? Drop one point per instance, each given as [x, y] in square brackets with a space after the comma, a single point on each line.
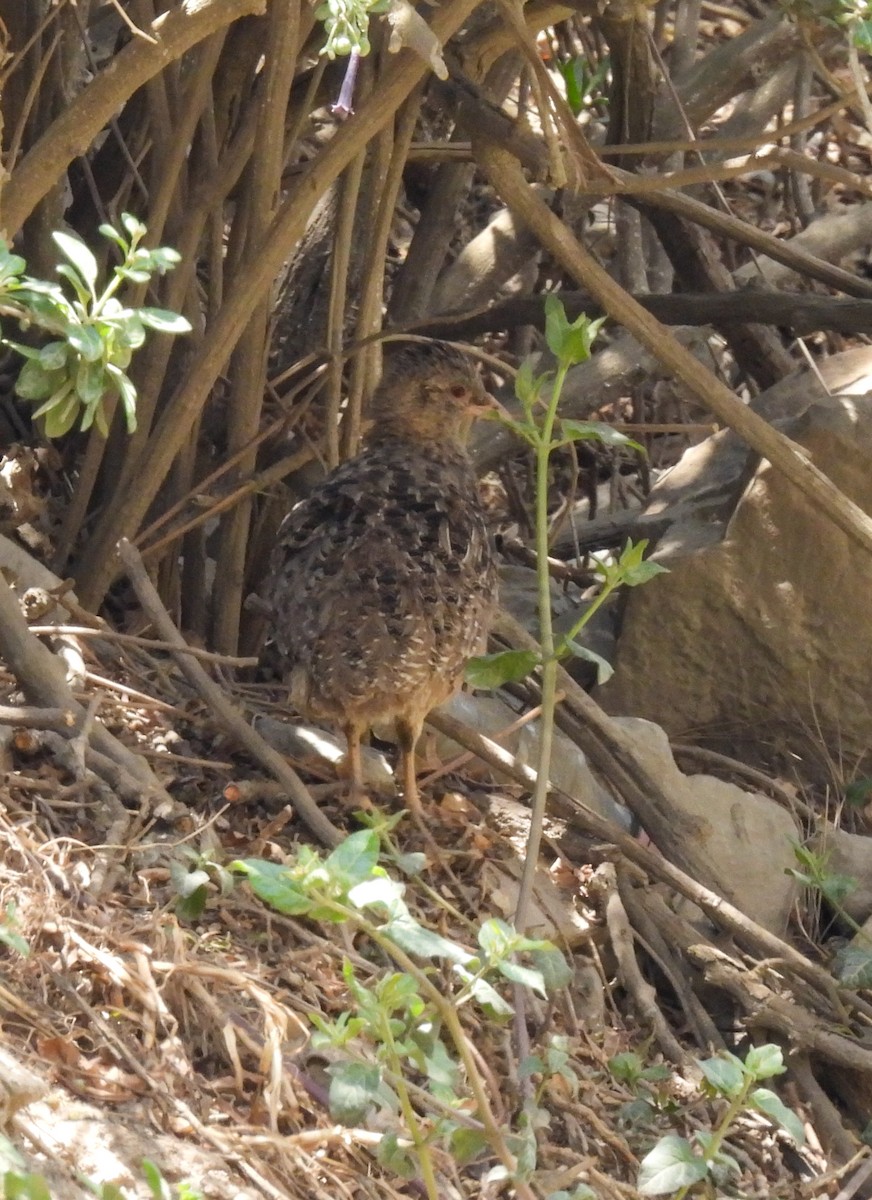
[228, 715]
[41, 676]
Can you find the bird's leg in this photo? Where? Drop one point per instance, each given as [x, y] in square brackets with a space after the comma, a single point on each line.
[407, 736]
[353, 765]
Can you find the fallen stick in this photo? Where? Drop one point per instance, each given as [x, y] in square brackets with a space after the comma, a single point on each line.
[230, 717]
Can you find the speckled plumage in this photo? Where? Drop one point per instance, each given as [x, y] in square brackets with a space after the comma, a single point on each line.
[383, 580]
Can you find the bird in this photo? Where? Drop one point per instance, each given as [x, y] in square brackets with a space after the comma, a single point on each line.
[383, 580]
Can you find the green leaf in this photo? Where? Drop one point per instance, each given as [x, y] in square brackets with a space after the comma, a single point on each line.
[113, 235]
[354, 858]
[604, 669]
[467, 1144]
[411, 863]
[91, 383]
[87, 341]
[157, 1185]
[11, 265]
[489, 671]
[765, 1101]
[861, 31]
[76, 252]
[726, 1074]
[641, 574]
[529, 386]
[859, 792]
[596, 431]
[852, 966]
[569, 342]
[416, 939]
[570, 79]
[127, 392]
[396, 1157]
[273, 883]
[524, 976]
[60, 412]
[53, 356]
[762, 1062]
[626, 1066]
[354, 1091]
[497, 938]
[164, 320]
[35, 382]
[552, 965]
[134, 226]
[25, 1186]
[381, 891]
[671, 1165]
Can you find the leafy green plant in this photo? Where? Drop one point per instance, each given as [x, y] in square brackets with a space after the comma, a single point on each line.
[852, 964]
[93, 335]
[194, 874]
[675, 1164]
[24, 1185]
[403, 1024]
[545, 432]
[585, 86]
[629, 1068]
[9, 934]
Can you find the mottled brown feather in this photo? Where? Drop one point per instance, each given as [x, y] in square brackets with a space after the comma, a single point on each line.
[383, 580]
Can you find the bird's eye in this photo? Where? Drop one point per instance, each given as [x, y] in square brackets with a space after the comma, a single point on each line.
[459, 392]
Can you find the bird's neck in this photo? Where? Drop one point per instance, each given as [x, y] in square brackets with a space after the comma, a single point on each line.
[432, 443]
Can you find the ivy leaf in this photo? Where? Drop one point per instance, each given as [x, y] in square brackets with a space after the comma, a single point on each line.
[489, 671]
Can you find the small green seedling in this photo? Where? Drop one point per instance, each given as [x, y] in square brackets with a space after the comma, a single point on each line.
[675, 1164]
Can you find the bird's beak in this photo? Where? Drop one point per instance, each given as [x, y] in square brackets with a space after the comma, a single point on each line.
[489, 407]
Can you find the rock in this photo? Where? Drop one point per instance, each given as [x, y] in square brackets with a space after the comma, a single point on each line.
[570, 772]
[761, 628]
[309, 743]
[743, 840]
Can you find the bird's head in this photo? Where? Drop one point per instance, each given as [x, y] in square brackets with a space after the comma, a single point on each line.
[429, 392]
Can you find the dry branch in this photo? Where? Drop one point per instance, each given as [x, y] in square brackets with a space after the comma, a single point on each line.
[122, 519]
[41, 676]
[73, 131]
[506, 176]
[232, 720]
[802, 313]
